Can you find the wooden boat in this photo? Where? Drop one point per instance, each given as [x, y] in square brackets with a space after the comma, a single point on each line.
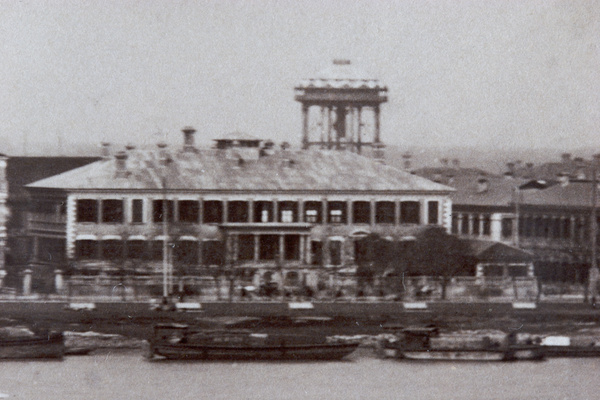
[181, 342]
[565, 346]
[428, 344]
[22, 344]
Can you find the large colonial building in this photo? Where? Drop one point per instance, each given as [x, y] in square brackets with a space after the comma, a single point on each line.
[245, 203]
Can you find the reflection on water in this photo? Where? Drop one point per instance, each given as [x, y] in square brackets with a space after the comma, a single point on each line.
[129, 376]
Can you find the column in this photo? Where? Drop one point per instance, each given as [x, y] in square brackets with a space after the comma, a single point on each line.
[201, 210]
[300, 211]
[302, 249]
[459, 220]
[27, 282]
[236, 247]
[349, 212]
[329, 126]
[359, 130]
[372, 212]
[305, 126]
[225, 211]
[324, 216]
[572, 230]
[256, 247]
[377, 123]
[58, 281]
[423, 207]
[250, 211]
[481, 224]
[275, 211]
[396, 213]
[281, 247]
[470, 224]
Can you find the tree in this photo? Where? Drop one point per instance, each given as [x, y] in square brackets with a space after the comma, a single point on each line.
[439, 254]
[376, 257]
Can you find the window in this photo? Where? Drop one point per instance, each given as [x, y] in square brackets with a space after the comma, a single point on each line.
[335, 252]
[158, 213]
[410, 212]
[312, 212]
[112, 249]
[464, 225]
[312, 216]
[246, 248]
[87, 210]
[112, 211]
[263, 211]
[291, 247]
[213, 212]
[455, 224]
[269, 247]
[137, 211]
[384, 212]
[335, 216]
[337, 212]
[189, 211]
[507, 226]
[361, 212]
[136, 249]
[316, 252]
[487, 225]
[287, 216]
[186, 252]
[433, 212]
[289, 209]
[85, 249]
[213, 252]
[237, 211]
[476, 224]
[156, 250]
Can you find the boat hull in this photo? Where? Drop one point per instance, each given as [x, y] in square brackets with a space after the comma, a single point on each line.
[532, 353]
[572, 351]
[47, 347]
[292, 352]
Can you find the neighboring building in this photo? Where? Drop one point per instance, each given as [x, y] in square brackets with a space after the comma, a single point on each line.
[271, 207]
[15, 173]
[554, 217]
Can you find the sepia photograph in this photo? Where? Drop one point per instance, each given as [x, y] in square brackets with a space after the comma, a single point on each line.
[309, 199]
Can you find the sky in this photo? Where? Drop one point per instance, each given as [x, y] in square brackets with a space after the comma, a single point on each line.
[510, 74]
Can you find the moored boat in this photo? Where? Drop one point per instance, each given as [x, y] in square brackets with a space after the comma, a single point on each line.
[427, 344]
[23, 344]
[182, 342]
[565, 346]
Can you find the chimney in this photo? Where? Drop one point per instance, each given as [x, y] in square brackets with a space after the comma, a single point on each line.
[483, 185]
[565, 157]
[378, 152]
[105, 150]
[162, 153]
[129, 147]
[406, 157]
[456, 163]
[188, 139]
[121, 165]
[563, 179]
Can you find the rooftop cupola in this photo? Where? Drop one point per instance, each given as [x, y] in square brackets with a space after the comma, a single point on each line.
[341, 108]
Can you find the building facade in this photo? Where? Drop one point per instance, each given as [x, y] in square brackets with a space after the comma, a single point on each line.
[243, 204]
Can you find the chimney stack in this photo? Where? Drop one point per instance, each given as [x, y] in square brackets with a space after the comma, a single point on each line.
[162, 153]
[406, 157]
[105, 149]
[188, 139]
[456, 163]
[121, 165]
[565, 157]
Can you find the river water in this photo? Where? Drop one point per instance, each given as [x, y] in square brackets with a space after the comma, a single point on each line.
[128, 376]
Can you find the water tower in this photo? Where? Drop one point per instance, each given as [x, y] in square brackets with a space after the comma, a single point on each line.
[341, 109]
